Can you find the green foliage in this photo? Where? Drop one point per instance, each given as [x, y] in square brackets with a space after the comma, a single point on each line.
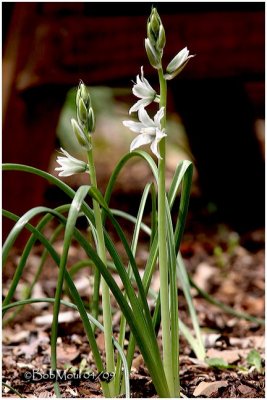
[219, 363]
[254, 358]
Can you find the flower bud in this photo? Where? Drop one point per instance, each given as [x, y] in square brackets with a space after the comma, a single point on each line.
[91, 120]
[161, 38]
[153, 26]
[83, 93]
[80, 135]
[82, 111]
[152, 54]
[155, 31]
[178, 63]
[85, 115]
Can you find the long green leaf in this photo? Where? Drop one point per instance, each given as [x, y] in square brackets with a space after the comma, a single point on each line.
[69, 230]
[142, 154]
[183, 277]
[173, 301]
[183, 175]
[26, 252]
[20, 267]
[135, 237]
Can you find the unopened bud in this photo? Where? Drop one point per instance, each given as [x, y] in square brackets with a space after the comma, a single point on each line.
[152, 54]
[154, 25]
[161, 38]
[155, 31]
[83, 93]
[85, 114]
[82, 112]
[178, 63]
[80, 135]
[91, 120]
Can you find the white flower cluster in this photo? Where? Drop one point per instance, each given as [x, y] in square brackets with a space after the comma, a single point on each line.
[150, 131]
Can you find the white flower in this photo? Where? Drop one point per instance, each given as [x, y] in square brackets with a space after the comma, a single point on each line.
[178, 63]
[70, 165]
[149, 131]
[144, 91]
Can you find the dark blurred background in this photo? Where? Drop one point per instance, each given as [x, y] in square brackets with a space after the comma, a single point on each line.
[219, 97]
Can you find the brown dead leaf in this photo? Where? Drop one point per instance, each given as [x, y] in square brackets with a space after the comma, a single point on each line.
[9, 337]
[137, 362]
[28, 350]
[67, 353]
[230, 356]
[63, 317]
[208, 388]
[244, 389]
[210, 339]
[249, 342]
[203, 273]
[100, 340]
[72, 392]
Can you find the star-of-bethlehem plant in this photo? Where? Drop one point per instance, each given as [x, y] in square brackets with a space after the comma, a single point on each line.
[161, 357]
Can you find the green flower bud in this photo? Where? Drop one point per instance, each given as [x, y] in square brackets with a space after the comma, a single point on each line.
[82, 111]
[153, 56]
[80, 135]
[85, 115]
[91, 120]
[153, 26]
[178, 63]
[150, 32]
[161, 39]
[83, 93]
[155, 30]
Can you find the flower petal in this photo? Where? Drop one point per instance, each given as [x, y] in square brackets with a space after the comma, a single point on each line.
[134, 126]
[142, 91]
[178, 60]
[69, 157]
[158, 117]
[160, 134]
[154, 148]
[138, 104]
[140, 140]
[144, 117]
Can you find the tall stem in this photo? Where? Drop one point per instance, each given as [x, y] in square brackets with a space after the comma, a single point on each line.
[107, 317]
[162, 232]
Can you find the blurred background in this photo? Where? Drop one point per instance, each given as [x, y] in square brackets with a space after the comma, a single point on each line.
[216, 106]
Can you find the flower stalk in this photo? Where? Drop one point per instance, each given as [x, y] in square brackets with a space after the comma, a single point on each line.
[163, 256]
[86, 123]
[107, 316]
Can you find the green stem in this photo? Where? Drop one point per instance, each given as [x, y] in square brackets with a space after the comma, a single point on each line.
[101, 248]
[163, 261]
